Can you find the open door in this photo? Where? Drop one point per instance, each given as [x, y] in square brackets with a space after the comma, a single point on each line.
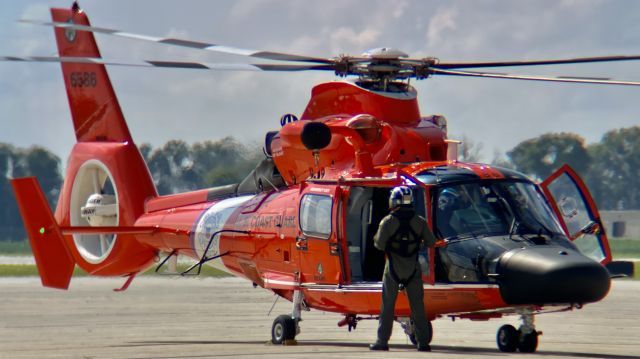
[577, 213]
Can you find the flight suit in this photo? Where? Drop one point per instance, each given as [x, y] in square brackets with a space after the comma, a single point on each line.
[403, 269]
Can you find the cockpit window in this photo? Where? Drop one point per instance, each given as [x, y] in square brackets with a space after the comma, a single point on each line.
[492, 208]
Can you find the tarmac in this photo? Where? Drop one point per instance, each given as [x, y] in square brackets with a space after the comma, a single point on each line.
[170, 317]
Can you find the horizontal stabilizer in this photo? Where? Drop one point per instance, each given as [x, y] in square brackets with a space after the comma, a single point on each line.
[109, 230]
[55, 263]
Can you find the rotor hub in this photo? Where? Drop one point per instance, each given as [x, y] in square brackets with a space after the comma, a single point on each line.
[100, 210]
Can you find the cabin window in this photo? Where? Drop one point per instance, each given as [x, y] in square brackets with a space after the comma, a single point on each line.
[315, 215]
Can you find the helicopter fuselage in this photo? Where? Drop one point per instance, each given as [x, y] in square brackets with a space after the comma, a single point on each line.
[301, 224]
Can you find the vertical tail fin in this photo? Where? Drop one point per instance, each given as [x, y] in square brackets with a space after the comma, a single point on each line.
[94, 107]
[55, 263]
[105, 163]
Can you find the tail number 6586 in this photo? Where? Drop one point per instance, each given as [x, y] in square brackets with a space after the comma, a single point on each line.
[83, 79]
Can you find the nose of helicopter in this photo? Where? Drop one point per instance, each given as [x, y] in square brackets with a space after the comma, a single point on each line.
[550, 274]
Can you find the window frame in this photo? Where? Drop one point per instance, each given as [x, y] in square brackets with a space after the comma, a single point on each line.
[311, 233]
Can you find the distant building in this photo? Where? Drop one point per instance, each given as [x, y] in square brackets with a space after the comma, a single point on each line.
[621, 224]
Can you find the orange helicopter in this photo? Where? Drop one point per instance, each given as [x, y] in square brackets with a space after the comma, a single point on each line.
[301, 224]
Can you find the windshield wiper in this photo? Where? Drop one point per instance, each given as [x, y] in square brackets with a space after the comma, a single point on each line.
[470, 235]
[513, 227]
[542, 227]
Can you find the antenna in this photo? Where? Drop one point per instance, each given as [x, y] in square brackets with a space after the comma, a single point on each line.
[75, 7]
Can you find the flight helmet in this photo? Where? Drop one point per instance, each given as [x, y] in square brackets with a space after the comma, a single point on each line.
[450, 199]
[400, 196]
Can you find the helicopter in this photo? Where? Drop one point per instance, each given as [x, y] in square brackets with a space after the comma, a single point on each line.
[301, 224]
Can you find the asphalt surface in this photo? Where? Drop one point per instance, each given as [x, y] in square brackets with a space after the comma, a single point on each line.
[203, 318]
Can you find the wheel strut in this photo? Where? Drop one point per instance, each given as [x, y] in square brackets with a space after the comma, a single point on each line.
[285, 327]
[524, 339]
[527, 334]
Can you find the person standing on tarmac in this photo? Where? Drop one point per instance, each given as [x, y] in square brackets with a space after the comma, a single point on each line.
[401, 235]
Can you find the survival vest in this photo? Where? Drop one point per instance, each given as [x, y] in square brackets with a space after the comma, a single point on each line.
[405, 242]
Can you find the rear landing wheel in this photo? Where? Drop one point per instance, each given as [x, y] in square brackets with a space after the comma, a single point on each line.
[283, 329]
[507, 338]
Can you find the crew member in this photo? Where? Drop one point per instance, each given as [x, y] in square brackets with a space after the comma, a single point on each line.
[402, 234]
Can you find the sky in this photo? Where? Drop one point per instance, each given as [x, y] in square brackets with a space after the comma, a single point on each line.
[193, 105]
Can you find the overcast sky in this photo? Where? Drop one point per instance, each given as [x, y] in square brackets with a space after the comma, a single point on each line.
[194, 105]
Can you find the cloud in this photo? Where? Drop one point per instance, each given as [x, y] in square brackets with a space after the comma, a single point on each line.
[443, 21]
[348, 38]
[161, 104]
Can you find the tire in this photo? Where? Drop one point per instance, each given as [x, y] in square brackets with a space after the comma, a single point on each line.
[283, 329]
[528, 343]
[412, 336]
[507, 338]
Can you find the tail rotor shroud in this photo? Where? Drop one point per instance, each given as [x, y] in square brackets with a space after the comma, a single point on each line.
[91, 206]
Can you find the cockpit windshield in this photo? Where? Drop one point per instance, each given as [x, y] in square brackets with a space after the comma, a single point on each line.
[492, 208]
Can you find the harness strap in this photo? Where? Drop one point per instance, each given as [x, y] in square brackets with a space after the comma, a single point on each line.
[399, 246]
[402, 248]
[401, 283]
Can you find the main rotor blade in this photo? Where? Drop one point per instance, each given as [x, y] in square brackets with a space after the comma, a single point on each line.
[172, 64]
[269, 55]
[585, 80]
[577, 60]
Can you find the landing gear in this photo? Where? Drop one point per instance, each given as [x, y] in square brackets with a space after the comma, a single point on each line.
[528, 338]
[507, 338]
[283, 329]
[528, 343]
[409, 329]
[286, 326]
[524, 339]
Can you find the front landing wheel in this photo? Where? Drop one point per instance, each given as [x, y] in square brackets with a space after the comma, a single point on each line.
[528, 343]
[283, 329]
[507, 338]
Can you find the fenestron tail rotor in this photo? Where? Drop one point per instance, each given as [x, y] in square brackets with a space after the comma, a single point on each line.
[94, 203]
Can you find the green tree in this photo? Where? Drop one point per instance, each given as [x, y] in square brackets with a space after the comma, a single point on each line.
[500, 160]
[8, 207]
[45, 166]
[614, 177]
[170, 167]
[225, 161]
[14, 162]
[470, 150]
[178, 167]
[540, 156]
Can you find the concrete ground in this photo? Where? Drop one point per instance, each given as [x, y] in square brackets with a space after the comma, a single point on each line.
[203, 318]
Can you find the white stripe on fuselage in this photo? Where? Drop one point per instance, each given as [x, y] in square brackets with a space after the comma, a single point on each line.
[377, 287]
[213, 220]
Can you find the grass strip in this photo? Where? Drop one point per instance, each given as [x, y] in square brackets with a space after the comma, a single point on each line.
[30, 270]
[15, 248]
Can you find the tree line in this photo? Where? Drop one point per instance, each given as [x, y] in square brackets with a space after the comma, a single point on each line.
[611, 167]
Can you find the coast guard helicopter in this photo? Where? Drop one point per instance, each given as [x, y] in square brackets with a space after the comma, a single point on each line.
[301, 224]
